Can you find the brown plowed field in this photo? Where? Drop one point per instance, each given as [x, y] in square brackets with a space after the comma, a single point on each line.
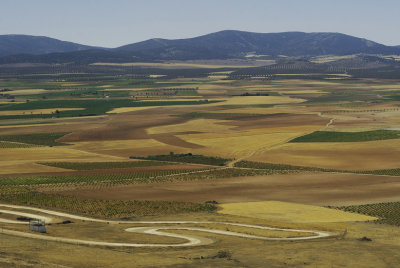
[122, 127]
[278, 120]
[306, 188]
[115, 170]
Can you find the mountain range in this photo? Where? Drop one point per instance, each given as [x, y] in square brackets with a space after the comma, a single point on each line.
[219, 45]
[26, 44]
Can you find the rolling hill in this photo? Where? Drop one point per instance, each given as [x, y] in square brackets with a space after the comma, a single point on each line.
[238, 43]
[219, 45]
[35, 45]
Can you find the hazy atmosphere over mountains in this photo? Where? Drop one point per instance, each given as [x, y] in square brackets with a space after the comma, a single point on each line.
[26, 44]
[219, 45]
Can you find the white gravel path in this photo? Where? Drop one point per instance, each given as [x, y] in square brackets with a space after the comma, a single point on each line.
[192, 240]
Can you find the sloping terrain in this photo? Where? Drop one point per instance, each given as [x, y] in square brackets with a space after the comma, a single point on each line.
[219, 45]
[26, 44]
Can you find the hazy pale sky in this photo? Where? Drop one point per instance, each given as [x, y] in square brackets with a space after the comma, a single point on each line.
[113, 23]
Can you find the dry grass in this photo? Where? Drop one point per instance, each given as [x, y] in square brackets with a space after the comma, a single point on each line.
[23, 160]
[33, 125]
[370, 155]
[290, 212]
[126, 148]
[215, 138]
[244, 143]
[347, 252]
[25, 167]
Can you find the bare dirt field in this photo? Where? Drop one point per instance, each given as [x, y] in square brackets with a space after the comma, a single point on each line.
[307, 188]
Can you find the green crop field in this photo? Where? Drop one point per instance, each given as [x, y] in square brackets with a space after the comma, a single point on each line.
[43, 139]
[114, 178]
[282, 167]
[328, 136]
[388, 213]
[106, 179]
[187, 158]
[7, 144]
[91, 107]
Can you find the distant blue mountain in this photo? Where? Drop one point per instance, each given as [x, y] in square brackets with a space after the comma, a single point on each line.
[235, 43]
[26, 44]
[219, 45]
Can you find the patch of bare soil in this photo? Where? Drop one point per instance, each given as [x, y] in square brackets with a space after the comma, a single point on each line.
[306, 188]
[278, 120]
[114, 170]
[174, 141]
[123, 127]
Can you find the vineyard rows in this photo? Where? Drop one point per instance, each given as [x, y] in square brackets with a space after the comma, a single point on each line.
[278, 168]
[388, 213]
[43, 139]
[103, 165]
[8, 144]
[104, 208]
[115, 178]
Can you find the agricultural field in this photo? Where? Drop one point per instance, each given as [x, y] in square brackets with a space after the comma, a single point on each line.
[228, 158]
[103, 165]
[326, 136]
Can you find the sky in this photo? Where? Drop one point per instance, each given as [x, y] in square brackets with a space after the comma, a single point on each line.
[112, 23]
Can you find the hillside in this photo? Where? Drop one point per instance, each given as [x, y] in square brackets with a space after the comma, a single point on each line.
[27, 44]
[219, 45]
[238, 43]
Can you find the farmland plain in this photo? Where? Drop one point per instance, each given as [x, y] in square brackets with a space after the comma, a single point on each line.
[201, 145]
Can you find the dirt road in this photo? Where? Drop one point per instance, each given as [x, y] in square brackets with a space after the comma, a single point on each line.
[192, 240]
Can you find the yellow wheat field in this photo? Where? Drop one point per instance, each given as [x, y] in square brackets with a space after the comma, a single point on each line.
[242, 144]
[38, 111]
[291, 212]
[130, 109]
[371, 155]
[127, 148]
[27, 91]
[23, 160]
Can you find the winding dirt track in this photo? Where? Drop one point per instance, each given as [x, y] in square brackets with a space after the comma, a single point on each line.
[153, 230]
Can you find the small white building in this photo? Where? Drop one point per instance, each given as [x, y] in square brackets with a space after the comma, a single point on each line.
[37, 226]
